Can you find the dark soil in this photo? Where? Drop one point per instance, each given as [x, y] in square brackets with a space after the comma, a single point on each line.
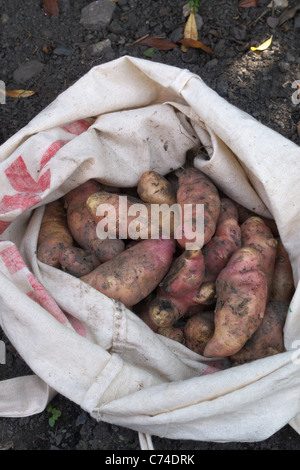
[258, 83]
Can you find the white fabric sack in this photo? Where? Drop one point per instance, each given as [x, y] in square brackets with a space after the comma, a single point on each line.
[119, 120]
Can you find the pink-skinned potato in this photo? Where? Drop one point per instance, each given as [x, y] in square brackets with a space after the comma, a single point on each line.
[195, 188]
[132, 275]
[268, 338]
[256, 234]
[226, 240]
[242, 290]
[178, 289]
[77, 261]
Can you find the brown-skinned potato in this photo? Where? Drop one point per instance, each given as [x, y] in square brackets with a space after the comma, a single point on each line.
[83, 227]
[54, 234]
[282, 287]
[198, 330]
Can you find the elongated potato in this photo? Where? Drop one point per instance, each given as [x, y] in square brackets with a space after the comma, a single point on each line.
[83, 227]
[242, 291]
[178, 289]
[54, 234]
[135, 273]
[268, 338]
[282, 287]
[195, 188]
[255, 233]
[226, 240]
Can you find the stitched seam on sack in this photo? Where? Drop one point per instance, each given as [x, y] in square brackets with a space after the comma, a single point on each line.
[182, 80]
[118, 337]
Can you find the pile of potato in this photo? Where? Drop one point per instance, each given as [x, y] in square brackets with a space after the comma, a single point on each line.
[227, 298]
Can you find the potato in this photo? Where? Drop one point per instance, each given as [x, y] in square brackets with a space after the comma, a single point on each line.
[83, 227]
[178, 289]
[282, 287]
[268, 338]
[77, 262]
[245, 213]
[135, 273]
[54, 234]
[226, 240]
[242, 291]
[172, 332]
[195, 188]
[206, 294]
[155, 189]
[255, 233]
[198, 330]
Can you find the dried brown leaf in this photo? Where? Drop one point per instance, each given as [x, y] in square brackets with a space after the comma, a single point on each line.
[51, 7]
[18, 93]
[196, 44]
[162, 44]
[248, 4]
[190, 30]
[288, 14]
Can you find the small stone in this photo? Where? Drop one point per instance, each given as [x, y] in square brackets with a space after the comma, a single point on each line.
[81, 419]
[97, 14]
[4, 18]
[283, 66]
[27, 71]
[297, 22]
[63, 49]
[99, 47]
[290, 57]
[211, 64]
[199, 21]
[176, 34]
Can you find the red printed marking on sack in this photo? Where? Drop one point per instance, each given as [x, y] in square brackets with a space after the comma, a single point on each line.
[28, 189]
[3, 226]
[22, 181]
[12, 259]
[18, 201]
[76, 127]
[51, 151]
[43, 298]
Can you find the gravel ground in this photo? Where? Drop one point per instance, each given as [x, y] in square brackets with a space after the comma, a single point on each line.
[48, 55]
